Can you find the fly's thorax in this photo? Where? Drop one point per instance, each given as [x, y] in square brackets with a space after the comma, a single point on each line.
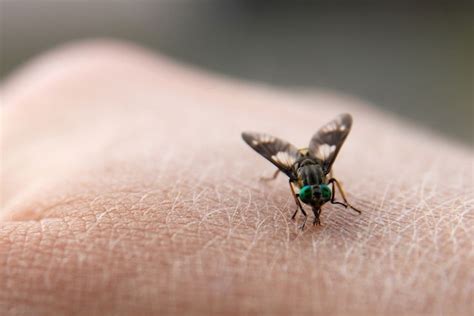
[309, 172]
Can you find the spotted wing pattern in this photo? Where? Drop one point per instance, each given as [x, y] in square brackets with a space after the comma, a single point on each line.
[279, 152]
[327, 142]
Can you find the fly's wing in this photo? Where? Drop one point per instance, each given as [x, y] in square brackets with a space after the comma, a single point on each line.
[327, 142]
[279, 152]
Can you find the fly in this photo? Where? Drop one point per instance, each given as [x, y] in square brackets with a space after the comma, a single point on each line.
[308, 169]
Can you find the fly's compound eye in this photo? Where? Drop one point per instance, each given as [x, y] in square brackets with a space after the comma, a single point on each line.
[325, 192]
[305, 194]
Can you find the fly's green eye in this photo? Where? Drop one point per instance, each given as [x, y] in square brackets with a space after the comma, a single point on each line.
[325, 192]
[305, 194]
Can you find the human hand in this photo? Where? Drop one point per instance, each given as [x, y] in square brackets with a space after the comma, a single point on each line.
[126, 189]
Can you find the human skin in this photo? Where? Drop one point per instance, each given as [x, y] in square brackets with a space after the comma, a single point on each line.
[126, 189]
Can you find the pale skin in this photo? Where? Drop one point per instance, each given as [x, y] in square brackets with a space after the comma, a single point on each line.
[126, 189]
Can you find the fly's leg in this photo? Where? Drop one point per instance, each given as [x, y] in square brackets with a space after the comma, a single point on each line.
[346, 204]
[273, 177]
[294, 214]
[316, 212]
[333, 197]
[297, 201]
[298, 206]
[330, 174]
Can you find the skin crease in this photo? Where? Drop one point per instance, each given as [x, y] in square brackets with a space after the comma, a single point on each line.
[126, 189]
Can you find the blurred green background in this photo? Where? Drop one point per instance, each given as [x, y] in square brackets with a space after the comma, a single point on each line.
[412, 59]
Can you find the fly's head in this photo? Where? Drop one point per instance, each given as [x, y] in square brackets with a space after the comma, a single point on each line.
[315, 195]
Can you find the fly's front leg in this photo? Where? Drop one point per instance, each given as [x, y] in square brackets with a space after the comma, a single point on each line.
[297, 201]
[333, 196]
[273, 177]
[316, 212]
[298, 205]
[295, 196]
[334, 181]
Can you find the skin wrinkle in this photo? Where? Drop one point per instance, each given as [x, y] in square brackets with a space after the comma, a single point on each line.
[151, 225]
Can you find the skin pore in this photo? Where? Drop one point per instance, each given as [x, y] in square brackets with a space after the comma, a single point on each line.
[126, 189]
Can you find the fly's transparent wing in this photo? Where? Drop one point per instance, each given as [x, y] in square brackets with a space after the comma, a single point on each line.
[279, 152]
[327, 142]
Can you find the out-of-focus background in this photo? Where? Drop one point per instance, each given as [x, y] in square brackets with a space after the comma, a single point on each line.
[415, 60]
